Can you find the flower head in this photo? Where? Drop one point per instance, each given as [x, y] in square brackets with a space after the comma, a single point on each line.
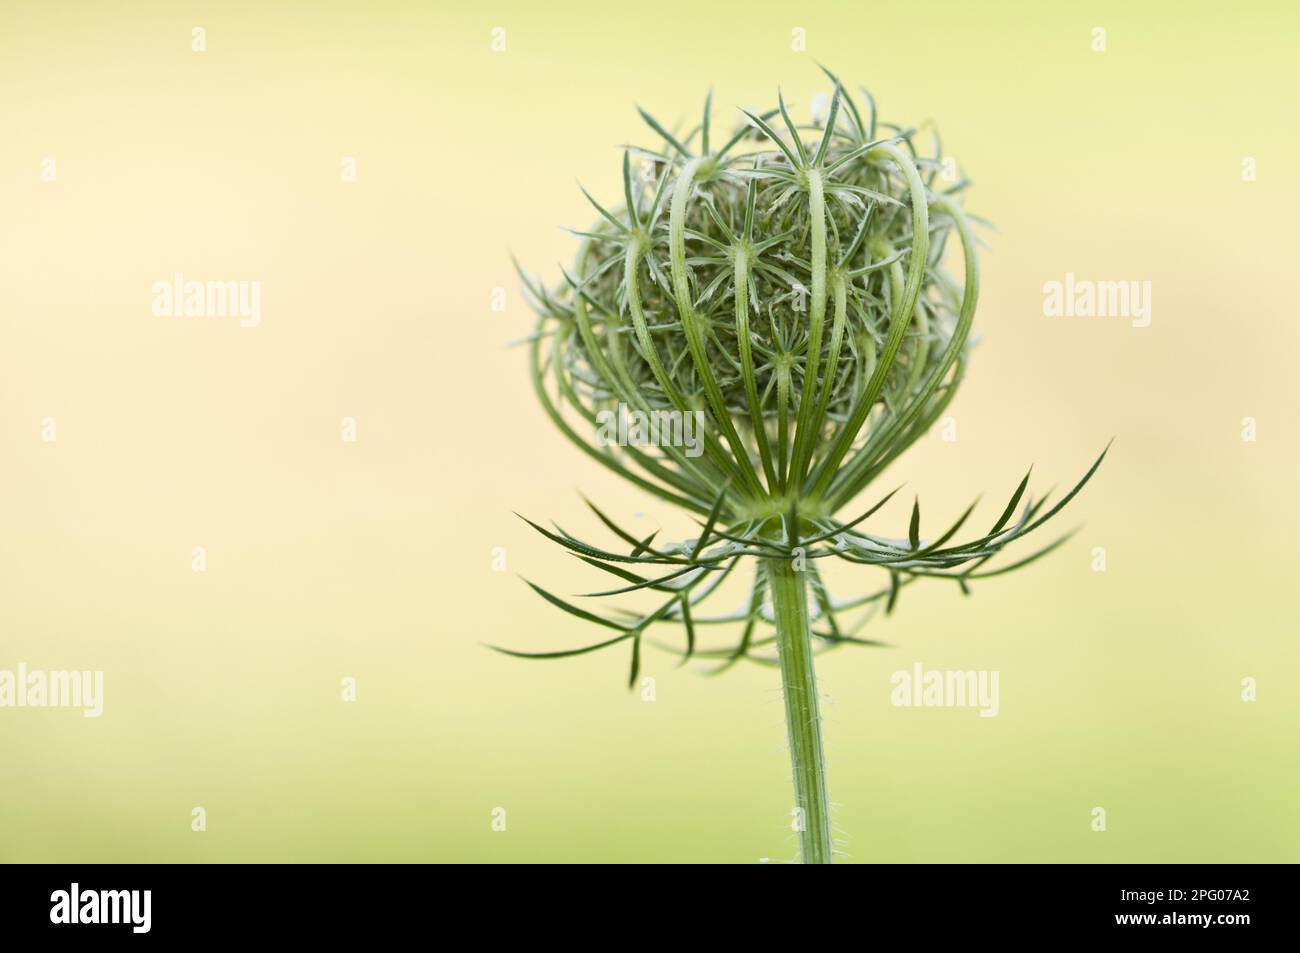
[787, 281]
[786, 286]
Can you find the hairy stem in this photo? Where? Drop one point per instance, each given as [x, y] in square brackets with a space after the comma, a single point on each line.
[802, 717]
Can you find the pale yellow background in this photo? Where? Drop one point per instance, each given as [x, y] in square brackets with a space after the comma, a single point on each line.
[372, 559]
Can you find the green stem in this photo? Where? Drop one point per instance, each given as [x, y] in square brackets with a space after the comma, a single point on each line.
[802, 717]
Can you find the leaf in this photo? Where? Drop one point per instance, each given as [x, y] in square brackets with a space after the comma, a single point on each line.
[594, 236]
[572, 609]
[565, 653]
[858, 237]
[1022, 562]
[871, 103]
[854, 640]
[648, 583]
[704, 125]
[750, 198]
[614, 527]
[824, 603]
[751, 619]
[848, 101]
[627, 189]
[794, 130]
[644, 545]
[872, 194]
[740, 134]
[877, 265]
[690, 628]
[762, 126]
[612, 570]
[857, 152]
[1011, 507]
[830, 128]
[583, 549]
[602, 210]
[1069, 496]
[636, 660]
[847, 526]
[713, 518]
[667, 136]
[914, 528]
[655, 206]
[951, 532]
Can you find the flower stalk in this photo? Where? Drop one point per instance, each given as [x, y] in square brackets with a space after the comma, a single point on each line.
[811, 816]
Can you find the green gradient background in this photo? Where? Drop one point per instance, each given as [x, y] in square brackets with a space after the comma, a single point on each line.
[1119, 689]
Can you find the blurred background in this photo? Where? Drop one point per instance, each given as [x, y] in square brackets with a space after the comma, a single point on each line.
[372, 559]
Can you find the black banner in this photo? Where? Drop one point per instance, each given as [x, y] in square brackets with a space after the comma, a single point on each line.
[92, 905]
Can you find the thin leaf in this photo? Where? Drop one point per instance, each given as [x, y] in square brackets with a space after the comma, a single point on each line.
[577, 546]
[847, 526]
[1022, 562]
[647, 583]
[762, 126]
[848, 101]
[644, 545]
[627, 189]
[751, 197]
[794, 130]
[636, 661]
[830, 128]
[704, 125]
[613, 527]
[565, 653]
[708, 526]
[601, 209]
[613, 570]
[1011, 507]
[1069, 496]
[572, 609]
[667, 136]
[690, 629]
[950, 533]
[740, 134]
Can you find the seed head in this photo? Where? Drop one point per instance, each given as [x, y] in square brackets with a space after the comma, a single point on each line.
[786, 285]
[786, 281]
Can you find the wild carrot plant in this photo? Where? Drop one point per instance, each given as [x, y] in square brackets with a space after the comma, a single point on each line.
[785, 285]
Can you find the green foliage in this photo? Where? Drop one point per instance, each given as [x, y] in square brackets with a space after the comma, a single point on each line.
[691, 571]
